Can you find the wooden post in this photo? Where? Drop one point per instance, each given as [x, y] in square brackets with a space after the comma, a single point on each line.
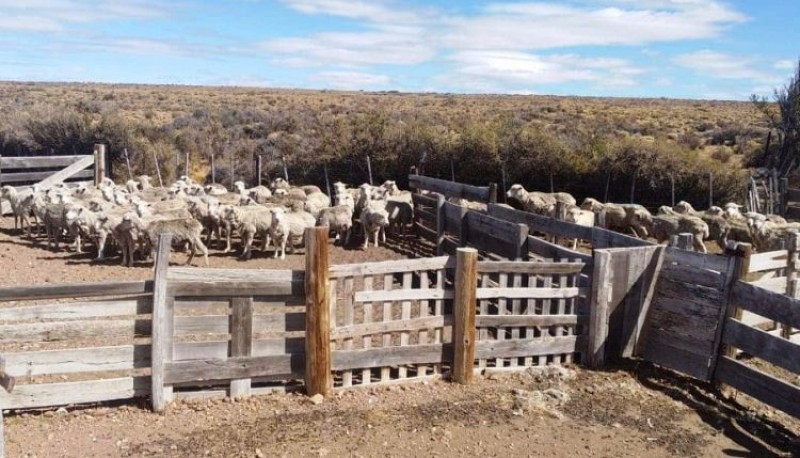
[503, 182]
[742, 253]
[463, 229]
[327, 180]
[440, 200]
[285, 169]
[369, 170]
[464, 305]
[784, 192]
[99, 163]
[158, 169]
[791, 277]
[492, 193]
[602, 279]
[162, 326]
[608, 183]
[241, 328]
[213, 170]
[452, 170]
[128, 163]
[187, 166]
[682, 241]
[672, 183]
[560, 215]
[318, 378]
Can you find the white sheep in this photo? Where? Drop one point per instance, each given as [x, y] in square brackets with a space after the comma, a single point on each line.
[183, 230]
[250, 221]
[663, 227]
[287, 227]
[374, 221]
[260, 194]
[21, 203]
[340, 221]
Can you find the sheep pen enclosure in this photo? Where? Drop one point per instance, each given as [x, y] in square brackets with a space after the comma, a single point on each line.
[498, 291]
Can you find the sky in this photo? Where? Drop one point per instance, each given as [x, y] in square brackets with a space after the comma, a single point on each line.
[699, 49]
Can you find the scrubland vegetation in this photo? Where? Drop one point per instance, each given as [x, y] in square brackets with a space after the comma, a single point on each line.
[586, 144]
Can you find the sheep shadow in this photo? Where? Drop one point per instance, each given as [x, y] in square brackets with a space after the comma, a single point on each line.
[760, 435]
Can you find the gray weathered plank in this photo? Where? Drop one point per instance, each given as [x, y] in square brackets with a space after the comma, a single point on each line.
[491, 321]
[449, 188]
[241, 326]
[391, 356]
[494, 235]
[771, 260]
[774, 349]
[530, 267]
[74, 310]
[230, 368]
[380, 327]
[549, 250]
[37, 162]
[19, 293]
[390, 267]
[531, 293]
[679, 359]
[219, 349]
[767, 389]
[234, 275]
[768, 304]
[73, 330]
[231, 288]
[523, 347]
[67, 172]
[539, 223]
[83, 360]
[695, 259]
[402, 295]
[58, 394]
[692, 275]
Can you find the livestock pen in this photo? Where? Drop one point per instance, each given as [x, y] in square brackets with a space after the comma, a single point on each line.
[499, 297]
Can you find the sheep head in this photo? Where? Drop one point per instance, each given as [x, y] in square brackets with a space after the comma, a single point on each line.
[517, 192]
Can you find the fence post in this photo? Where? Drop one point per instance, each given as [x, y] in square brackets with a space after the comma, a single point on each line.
[99, 163]
[318, 378]
[791, 278]
[784, 192]
[369, 170]
[158, 169]
[439, 224]
[560, 215]
[285, 169]
[128, 164]
[602, 277]
[213, 170]
[466, 290]
[186, 165]
[258, 170]
[682, 241]
[742, 253]
[710, 190]
[493, 193]
[463, 229]
[162, 326]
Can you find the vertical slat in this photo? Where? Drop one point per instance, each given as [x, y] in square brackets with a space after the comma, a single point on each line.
[571, 282]
[439, 224]
[318, 377]
[332, 285]
[367, 340]
[388, 281]
[2, 436]
[464, 314]
[602, 277]
[545, 309]
[99, 163]
[742, 252]
[422, 337]
[483, 333]
[405, 314]
[516, 309]
[791, 279]
[438, 310]
[530, 309]
[241, 326]
[347, 376]
[562, 309]
[162, 331]
[502, 306]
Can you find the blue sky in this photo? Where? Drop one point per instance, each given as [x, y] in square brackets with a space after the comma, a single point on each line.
[637, 48]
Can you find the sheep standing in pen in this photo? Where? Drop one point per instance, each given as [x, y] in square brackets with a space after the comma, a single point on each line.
[665, 226]
[21, 202]
[260, 194]
[618, 218]
[374, 221]
[340, 221]
[183, 230]
[250, 221]
[288, 227]
[770, 236]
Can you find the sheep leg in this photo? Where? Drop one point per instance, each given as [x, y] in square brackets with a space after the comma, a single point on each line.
[101, 244]
[383, 235]
[265, 243]
[347, 236]
[699, 245]
[283, 246]
[204, 249]
[366, 237]
[247, 242]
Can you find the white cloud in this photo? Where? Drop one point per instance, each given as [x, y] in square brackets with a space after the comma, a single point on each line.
[350, 80]
[785, 64]
[373, 11]
[727, 66]
[56, 15]
[522, 71]
[534, 26]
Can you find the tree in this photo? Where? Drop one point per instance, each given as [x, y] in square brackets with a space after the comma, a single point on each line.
[786, 120]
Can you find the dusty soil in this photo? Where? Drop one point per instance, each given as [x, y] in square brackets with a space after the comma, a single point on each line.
[626, 412]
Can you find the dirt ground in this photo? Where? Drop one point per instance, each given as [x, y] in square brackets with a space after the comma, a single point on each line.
[630, 411]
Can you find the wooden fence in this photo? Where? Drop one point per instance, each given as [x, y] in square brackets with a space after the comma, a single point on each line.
[49, 170]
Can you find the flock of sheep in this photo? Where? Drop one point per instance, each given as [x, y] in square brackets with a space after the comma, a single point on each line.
[134, 215]
[765, 232]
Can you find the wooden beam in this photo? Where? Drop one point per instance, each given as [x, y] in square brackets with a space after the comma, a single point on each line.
[67, 172]
[6, 381]
[767, 389]
[318, 376]
[466, 285]
[602, 278]
[99, 163]
[241, 327]
[35, 162]
[162, 332]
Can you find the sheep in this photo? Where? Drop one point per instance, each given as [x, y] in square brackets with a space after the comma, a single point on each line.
[315, 202]
[339, 219]
[576, 215]
[310, 189]
[107, 223]
[215, 189]
[206, 209]
[21, 202]
[144, 182]
[374, 221]
[260, 194]
[401, 213]
[144, 209]
[55, 222]
[663, 227]
[279, 183]
[132, 186]
[250, 221]
[770, 236]
[621, 218]
[534, 202]
[151, 228]
[287, 226]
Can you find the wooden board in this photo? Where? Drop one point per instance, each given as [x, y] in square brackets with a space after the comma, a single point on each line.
[220, 349]
[767, 389]
[19, 293]
[770, 260]
[72, 330]
[541, 224]
[449, 188]
[768, 304]
[68, 172]
[58, 394]
[531, 293]
[520, 321]
[234, 275]
[496, 236]
[36, 162]
[523, 347]
[697, 260]
[390, 267]
[231, 368]
[776, 350]
[227, 288]
[74, 310]
[549, 250]
[32, 177]
[391, 356]
[530, 267]
[380, 327]
[80, 360]
[403, 295]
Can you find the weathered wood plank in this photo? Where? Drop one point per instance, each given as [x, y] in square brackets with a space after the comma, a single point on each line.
[770, 260]
[497, 321]
[380, 327]
[774, 284]
[390, 267]
[549, 250]
[531, 293]
[226, 288]
[694, 276]
[767, 389]
[28, 177]
[230, 368]
[19, 293]
[599, 309]
[67, 172]
[74, 310]
[183, 274]
[391, 356]
[464, 334]
[163, 329]
[494, 235]
[402, 295]
[604, 238]
[449, 188]
[218, 324]
[241, 326]
[523, 347]
[768, 304]
[72, 330]
[530, 267]
[539, 223]
[37, 162]
[774, 349]
[70, 361]
[695, 259]
[219, 349]
[58, 394]
[424, 200]
[317, 320]
[678, 359]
